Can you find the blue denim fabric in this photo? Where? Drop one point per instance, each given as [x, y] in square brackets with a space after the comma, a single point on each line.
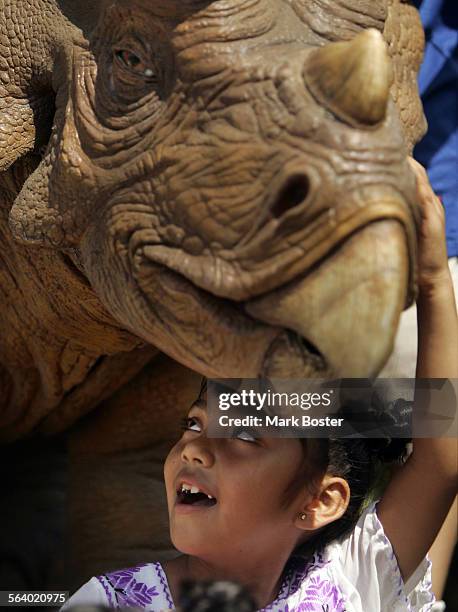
[438, 83]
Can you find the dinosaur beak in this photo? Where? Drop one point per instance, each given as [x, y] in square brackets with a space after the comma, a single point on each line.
[347, 307]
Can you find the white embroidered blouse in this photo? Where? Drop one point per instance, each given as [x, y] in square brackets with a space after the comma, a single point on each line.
[355, 574]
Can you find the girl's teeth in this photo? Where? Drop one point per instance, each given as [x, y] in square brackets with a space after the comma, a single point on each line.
[192, 489]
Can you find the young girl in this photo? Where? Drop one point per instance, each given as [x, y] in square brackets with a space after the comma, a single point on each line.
[284, 518]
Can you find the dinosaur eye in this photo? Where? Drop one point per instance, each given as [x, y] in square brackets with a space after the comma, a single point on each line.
[129, 59]
[135, 64]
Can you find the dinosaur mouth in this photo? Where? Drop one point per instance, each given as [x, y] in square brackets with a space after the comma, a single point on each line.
[328, 308]
[335, 320]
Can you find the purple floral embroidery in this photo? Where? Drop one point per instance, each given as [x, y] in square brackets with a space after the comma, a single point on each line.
[320, 596]
[164, 584]
[318, 593]
[128, 591]
[138, 595]
[299, 571]
[107, 589]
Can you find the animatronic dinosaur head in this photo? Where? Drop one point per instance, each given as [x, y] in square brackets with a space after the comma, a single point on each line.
[231, 177]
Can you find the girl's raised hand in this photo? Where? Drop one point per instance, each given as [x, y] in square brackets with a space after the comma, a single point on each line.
[432, 248]
[418, 498]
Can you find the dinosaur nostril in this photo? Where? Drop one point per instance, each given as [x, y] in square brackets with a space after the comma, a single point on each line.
[294, 193]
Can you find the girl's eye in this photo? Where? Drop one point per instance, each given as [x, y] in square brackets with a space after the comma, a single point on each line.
[191, 424]
[245, 435]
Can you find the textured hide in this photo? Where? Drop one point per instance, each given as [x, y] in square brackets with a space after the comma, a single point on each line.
[224, 183]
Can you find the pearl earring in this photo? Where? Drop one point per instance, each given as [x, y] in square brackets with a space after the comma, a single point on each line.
[302, 516]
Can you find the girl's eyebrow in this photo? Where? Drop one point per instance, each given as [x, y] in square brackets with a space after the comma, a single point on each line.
[200, 403]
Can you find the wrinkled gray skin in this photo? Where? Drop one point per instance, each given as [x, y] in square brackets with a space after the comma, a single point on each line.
[192, 178]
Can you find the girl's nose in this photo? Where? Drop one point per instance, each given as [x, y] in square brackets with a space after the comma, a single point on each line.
[197, 452]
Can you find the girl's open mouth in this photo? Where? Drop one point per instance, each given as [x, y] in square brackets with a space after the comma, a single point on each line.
[191, 495]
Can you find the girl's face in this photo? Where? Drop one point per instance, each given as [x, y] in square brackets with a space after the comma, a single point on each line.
[226, 496]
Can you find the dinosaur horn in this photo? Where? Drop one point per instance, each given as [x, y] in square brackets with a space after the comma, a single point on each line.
[352, 79]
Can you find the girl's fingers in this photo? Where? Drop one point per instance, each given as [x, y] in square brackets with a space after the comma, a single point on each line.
[439, 208]
[417, 168]
[428, 199]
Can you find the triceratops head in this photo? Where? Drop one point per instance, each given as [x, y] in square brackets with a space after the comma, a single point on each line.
[231, 178]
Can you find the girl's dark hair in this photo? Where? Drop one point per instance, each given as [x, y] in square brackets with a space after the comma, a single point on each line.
[361, 461]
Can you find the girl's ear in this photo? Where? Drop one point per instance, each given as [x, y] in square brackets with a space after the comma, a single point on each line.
[327, 506]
